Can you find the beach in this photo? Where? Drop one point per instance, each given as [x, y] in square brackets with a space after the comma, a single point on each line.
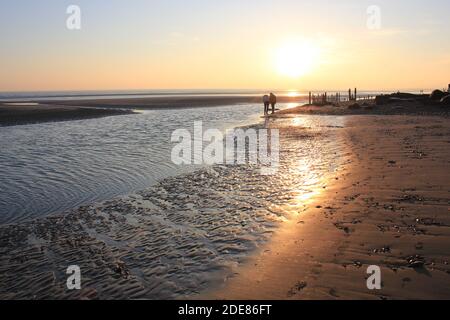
[225, 159]
[411, 106]
[387, 206]
[351, 191]
[174, 240]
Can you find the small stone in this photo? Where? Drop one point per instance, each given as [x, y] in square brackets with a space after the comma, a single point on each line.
[416, 264]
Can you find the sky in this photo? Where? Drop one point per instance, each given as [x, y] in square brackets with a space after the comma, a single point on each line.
[233, 44]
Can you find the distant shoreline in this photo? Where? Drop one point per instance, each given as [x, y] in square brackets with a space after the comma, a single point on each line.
[22, 114]
[34, 111]
[173, 102]
[17, 112]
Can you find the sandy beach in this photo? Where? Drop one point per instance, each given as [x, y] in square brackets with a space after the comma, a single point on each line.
[368, 107]
[225, 160]
[28, 113]
[173, 102]
[175, 240]
[388, 205]
[352, 191]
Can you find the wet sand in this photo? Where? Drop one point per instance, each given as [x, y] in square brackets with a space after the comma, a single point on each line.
[18, 114]
[368, 107]
[174, 240]
[388, 205]
[352, 191]
[173, 102]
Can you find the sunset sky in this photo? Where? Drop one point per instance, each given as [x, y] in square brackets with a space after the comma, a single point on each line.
[234, 44]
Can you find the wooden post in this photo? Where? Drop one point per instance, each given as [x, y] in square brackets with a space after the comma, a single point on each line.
[310, 101]
[355, 95]
[349, 94]
[325, 98]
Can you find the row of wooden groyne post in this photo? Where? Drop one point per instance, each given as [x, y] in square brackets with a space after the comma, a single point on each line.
[324, 98]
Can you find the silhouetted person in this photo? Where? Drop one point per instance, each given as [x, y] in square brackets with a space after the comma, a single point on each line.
[266, 101]
[273, 101]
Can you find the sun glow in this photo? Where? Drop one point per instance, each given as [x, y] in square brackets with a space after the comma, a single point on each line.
[296, 58]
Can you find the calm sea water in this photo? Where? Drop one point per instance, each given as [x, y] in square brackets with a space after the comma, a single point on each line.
[118, 94]
[80, 95]
[52, 167]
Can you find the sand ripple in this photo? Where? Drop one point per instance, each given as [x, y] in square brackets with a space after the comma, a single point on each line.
[173, 240]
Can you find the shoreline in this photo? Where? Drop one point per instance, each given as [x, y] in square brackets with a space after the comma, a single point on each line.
[148, 244]
[367, 107]
[313, 240]
[174, 102]
[31, 112]
[387, 206]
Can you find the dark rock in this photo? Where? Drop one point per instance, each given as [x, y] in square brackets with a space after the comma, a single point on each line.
[299, 286]
[385, 249]
[357, 264]
[121, 270]
[445, 101]
[437, 95]
[416, 262]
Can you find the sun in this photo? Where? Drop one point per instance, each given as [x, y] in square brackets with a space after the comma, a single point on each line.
[296, 58]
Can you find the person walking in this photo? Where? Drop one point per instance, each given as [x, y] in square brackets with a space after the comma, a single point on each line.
[266, 101]
[273, 101]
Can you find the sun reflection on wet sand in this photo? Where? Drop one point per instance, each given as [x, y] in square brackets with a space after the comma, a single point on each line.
[298, 121]
[232, 209]
[314, 141]
[313, 182]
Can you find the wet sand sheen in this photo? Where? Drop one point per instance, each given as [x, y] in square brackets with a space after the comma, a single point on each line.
[351, 192]
[174, 240]
[388, 206]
